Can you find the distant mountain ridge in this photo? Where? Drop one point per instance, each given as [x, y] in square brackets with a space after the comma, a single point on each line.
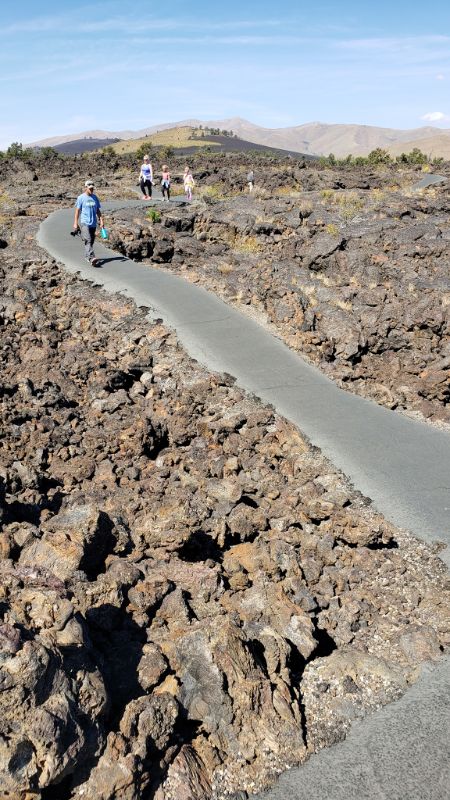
[312, 138]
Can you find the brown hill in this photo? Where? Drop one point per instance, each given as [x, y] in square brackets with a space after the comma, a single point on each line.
[319, 138]
[437, 146]
[179, 137]
[123, 134]
[313, 138]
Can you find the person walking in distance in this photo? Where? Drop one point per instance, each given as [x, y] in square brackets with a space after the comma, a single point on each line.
[189, 183]
[165, 182]
[87, 215]
[250, 180]
[146, 178]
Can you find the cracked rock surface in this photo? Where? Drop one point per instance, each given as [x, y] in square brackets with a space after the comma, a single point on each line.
[354, 279]
[192, 598]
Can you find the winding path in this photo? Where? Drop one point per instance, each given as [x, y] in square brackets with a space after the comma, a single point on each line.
[401, 464]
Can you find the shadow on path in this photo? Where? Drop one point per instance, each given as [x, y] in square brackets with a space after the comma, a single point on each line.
[102, 262]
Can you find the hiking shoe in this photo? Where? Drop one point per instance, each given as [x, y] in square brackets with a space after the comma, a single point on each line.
[95, 262]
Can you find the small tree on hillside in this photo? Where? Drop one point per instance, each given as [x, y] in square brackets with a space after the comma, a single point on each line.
[48, 153]
[414, 157]
[168, 152]
[379, 156]
[108, 151]
[144, 150]
[17, 150]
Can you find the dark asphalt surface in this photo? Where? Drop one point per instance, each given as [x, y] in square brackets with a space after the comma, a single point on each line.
[402, 465]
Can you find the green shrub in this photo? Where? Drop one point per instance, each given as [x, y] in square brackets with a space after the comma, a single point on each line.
[48, 153]
[16, 150]
[379, 156]
[144, 150]
[108, 151]
[153, 215]
[415, 156]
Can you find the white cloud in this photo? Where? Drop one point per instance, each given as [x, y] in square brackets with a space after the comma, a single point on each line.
[436, 116]
[393, 44]
[65, 24]
[440, 77]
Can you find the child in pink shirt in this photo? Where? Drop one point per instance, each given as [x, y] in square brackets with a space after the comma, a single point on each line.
[165, 182]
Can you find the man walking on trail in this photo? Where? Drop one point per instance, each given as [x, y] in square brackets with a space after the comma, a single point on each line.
[87, 214]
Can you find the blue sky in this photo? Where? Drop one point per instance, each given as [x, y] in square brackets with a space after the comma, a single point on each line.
[66, 68]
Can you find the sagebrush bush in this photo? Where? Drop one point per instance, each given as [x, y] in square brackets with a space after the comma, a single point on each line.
[153, 215]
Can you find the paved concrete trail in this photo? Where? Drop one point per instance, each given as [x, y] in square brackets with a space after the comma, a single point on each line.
[401, 464]
[429, 180]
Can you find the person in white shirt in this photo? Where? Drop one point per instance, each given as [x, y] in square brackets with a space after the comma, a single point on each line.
[146, 178]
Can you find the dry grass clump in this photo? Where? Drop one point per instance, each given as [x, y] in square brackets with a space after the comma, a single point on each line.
[378, 195]
[324, 279]
[288, 191]
[225, 268]
[176, 189]
[261, 220]
[5, 206]
[309, 290]
[332, 229]
[343, 304]
[214, 191]
[259, 192]
[247, 244]
[349, 205]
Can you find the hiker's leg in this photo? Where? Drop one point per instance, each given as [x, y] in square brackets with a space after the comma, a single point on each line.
[86, 237]
[90, 245]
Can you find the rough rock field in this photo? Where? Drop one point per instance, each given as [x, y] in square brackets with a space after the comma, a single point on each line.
[192, 598]
[354, 276]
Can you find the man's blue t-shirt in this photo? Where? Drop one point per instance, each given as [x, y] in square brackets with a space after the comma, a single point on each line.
[89, 205]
